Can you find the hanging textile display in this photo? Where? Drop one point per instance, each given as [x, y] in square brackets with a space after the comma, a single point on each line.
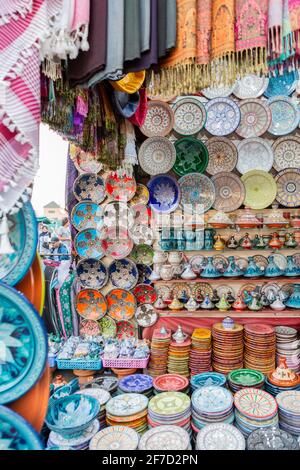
[204, 25]
[294, 9]
[13, 9]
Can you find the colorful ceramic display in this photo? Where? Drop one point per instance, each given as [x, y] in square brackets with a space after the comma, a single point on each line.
[88, 244]
[16, 433]
[223, 116]
[288, 187]
[121, 304]
[117, 243]
[159, 119]
[285, 115]
[164, 193]
[286, 153]
[189, 116]
[230, 192]
[157, 155]
[255, 118]
[89, 187]
[146, 315]
[282, 84]
[260, 188]
[87, 215]
[254, 154]
[92, 273]
[191, 156]
[145, 294]
[120, 188]
[91, 304]
[222, 155]
[123, 274]
[197, 193]
[250, 86]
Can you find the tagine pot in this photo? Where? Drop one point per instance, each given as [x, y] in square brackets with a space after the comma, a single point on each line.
[272, 270]
[232, 269]
[223, 305]
[292, 269]
[275, 218]
[294, 299]
[239, 304]
[275, 243]
[210, 271]
[207, 303]
[277, 305]
[253, 270]
[247, 219]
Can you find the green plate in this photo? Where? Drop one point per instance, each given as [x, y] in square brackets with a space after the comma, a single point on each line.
[246, 377]
[191, 156]
[169, 403]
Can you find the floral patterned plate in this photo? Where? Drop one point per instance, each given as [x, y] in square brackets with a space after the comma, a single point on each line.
[288, 187]
[223, 116]
[123, 274]
[191, 156]
[202, 288]
[121, 304]
[145, 294]
[87, 215]
[85, 162]
[189, 116]
[283, 85]
[286, 153]
[254, 154]
[255, 118]
[92, 274]
[223, 155]
[197, 193]
[218, 92]
[285, 115]
[120, 188]
[144, 274]
[125, 329]
[143, 254]
[91, 304]
[118, 214]
[159, 119]
[230, 192]
[146, 316]
[164, 193]
[260, 188]
[117, 243]
[16, 433]
[88, 244]
[250, 86]
[108, 327]
[220, 436]
[157, 155]
[141, 195]
[142, 235]
[89, 187]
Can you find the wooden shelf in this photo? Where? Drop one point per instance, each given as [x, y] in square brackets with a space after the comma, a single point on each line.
[267, 313]
[286, 280]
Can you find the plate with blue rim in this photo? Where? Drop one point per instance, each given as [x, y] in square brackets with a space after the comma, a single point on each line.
[16, 433]
[87, 214]
[92, 273]
[88, 243]
[164, 193]
[282, 84]
[144, 274]
[123, 274]
[24, 345]
[206, 379]
[23, 237]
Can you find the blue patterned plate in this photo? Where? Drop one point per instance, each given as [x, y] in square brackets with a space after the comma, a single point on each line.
[92, 273]
[123, 274]
[223, 116]
[23, 345]
[285, 115]
[208, 378]
[89, 187]
[23, 236]
[283, 85]
[88, 244]
[197, 193]
[87, 215]
[164, 193]
[16, 433]
[136, 383]
[144, 274]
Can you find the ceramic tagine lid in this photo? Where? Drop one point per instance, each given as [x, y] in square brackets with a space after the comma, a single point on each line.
[283, 376]
[220, 220]
[228, 323]
[247, 219]
[192, 305]
[179, 336]
[275, 218]
[160, 304]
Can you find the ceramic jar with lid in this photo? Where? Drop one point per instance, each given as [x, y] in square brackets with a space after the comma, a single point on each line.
[248, 219]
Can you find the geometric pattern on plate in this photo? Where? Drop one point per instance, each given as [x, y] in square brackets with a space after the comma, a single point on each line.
[286, 153]
[288, 187]
[159, 119]
[260, 188]
[157, 155]
[254, 154]
[222, 155]
[223, 116]
[255, 118]
[285, 115]
[255, 403]
[230, 192]
[189, 116]
[197, 193]
[250, 86]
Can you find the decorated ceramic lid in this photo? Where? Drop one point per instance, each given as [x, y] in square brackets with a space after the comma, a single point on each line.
[247, 218]
[16, 433]
[220, 218]
[275, 217]
[283, 376]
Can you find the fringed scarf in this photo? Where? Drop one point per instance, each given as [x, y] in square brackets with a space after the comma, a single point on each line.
[283, 36]
[294, 9]
[13, 9]
[203, 31]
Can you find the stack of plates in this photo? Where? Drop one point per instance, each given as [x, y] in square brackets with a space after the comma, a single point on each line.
[103, 397]
[289, 411]
[170, 383]
[159, 352]
[115, 438]
[170, 408]
[288, 346]
[254, 409]
[271, 439]
[137, 383]
[129, 410]
[220, 436]
[76, 443]
[227, 348]
[243, 378]
[207, 379]
[276, 389]
[178, 358]
[165, 438]
[200, 354]
[260, 347]
[211, 405]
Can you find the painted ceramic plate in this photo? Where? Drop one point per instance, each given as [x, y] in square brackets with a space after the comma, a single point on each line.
[230, 192]
[255, 403]
[143, 254]
[189, 116]
[223, 155]
[117, 243]
[197, 193]
[181, 289]
[141, 195]
[89, 328]
[108, 327]
[91, 304]
[85, 162]
[164, 193]
[202, 288]
[121, 304]
[24, 345]
[89, 187]
[81, 440]
[146, 316]
[144, 274]
[220, 436]
[191, 156]
[88, 244]
[212, 399]
[224, 289]
[271, 439]
[16, 433]
[170, 382]
[286, 153]
[250, 86]
[138, 383]
[283, 85]
[115, 438]
[142, 214]
[165, 438]
[159, 119]
[198, 263]
[223, 116]
[289, 401]
[92, 274]
[285, 115]
[118, 213]
[288, 187]
[169, 403]
[123, 274]
[254, 154]
[261, 261]
[260, 188]
[145, 294]
[120, 188]
[87, 215]
[141, 235]
[125, 329]
[217, 92]
[23, 237]
[255, 118]
[157, 155]
[128, 404]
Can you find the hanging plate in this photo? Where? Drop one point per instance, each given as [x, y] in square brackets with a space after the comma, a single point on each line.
[157, 155]
[108, 327]
[16, 433]
[260, 188]
[141, 195]
[88, 244]
[87, 215]
[142, 235]
[254, 154]
[118, 214]
[92, 274]
[159, 119]
[189, 116]
[145, 294]
[91, 304]
[218, 92]
[146, 315]
[164, 194]
[250, 86]
[283, 85]
[230, 192]
[120, 188]
[143, 254]
[286, 153]
[89, 187]
[222, 155]
[285, 115]
[197, 193]
[223, 116]
[125, 329]
[255, 118]
[121, 304]
[123, 274]
[191, 156]
[85, 162]
[288, 187]
[117, 243]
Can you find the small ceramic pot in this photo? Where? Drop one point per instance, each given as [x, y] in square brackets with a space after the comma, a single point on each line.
[167, 272]
[160, 257]
[175, 257]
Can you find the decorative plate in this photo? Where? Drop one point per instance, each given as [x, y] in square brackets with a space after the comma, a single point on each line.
[117, 243]
[23, 345]
[145, 294]
[85, 162]
[128, 404]
[256, 118]
[16, 433]
[91, 304]
[123, 274]
[286, 153]
[220, 436]
[121, 304]
[250, 86]
[223, 155]
[255, 403]
[220, 262]
[23, 237]
[120, 188]
[164, 193]
[138, 383]
[142, 235]
[202, 288]
[197, 193]
[230, 192]
[246, 377]
[191, 156]
[198, 263]
[164, 291]
[75, 442]
[289, 401]
[223, 289]
[143, 254]
[115, 438]
[169, 403]
[88, 244]
[170, 382]
[280, 260]
[118, 213]
[218, 92]
[125, 329]
[285, 115]
[271, 439]
[270, 288]
[157, 155]
[87, 215]
[159, 119]
[181, 288]
[223, 116]
[254, 154]
[89, 328]
[145, 315]
[142, 214]
[144, 274]
[92, 274]
[89, 187]
[212, 399]
[288, 187]
[165, 438]
[189, 116]
[260, 188]
[141, 195]
[261, 261]
[283, 85]
[108, 327]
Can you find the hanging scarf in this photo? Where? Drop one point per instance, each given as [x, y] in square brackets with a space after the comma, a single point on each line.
[132, 47]
[13, 9]
[275, 29]
[283, 33]
[203, 31]
[145, 19]
[294, 9]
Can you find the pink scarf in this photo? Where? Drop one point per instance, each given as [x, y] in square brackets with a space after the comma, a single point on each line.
[294, 10]
[13, 9]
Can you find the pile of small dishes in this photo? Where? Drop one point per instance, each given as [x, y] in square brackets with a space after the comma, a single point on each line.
[80, 442]
[129, 409]
[220, 436]
[159, 352]
[103, 397]
[260, 347]
[207, 379]
[227, 347]
[137, 383]
[170, 383]
[200, 354]
[115, 438]
[178, 358]
[244, 378]
[255, 409]
[289, 411]
[282, 379]
[170, 408]
[271, 439]
[165, 438]
[288, 346]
